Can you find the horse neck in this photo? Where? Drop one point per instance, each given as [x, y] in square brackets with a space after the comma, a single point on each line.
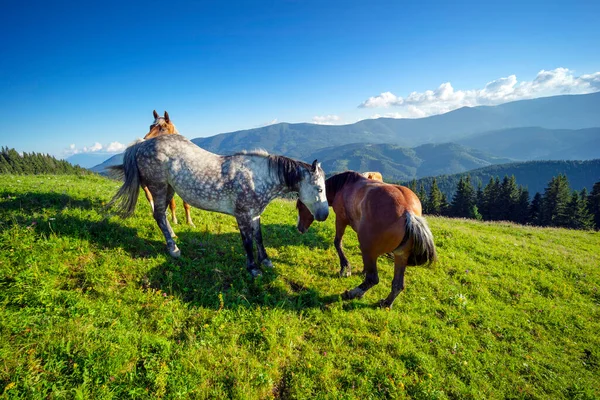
[271, 184]
[337, 183]
[330, 191]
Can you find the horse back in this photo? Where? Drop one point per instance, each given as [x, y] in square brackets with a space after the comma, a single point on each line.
[377, 202]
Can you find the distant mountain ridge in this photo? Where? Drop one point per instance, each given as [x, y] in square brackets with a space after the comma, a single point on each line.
[531, 143]
[300, 140]
[398, 163]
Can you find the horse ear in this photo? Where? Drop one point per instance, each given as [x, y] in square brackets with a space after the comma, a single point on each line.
[167, 119]
[315, 165]
[155, 114]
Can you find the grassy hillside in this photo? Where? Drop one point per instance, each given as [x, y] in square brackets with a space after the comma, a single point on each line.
[93, 307]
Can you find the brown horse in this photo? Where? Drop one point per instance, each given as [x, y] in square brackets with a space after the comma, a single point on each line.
[376, 176]
[164, 126]
[387, 219]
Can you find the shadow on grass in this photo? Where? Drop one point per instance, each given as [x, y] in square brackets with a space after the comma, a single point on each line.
[211, 265]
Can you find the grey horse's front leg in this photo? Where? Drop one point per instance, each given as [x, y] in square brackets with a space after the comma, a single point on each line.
[263, 258]
[245, 225]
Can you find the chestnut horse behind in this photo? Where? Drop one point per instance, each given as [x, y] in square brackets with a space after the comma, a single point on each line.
[387, 219]
[376, 176]
[164, 126]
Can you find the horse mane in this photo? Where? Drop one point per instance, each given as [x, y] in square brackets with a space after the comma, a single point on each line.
[287, 169]
[337, 181]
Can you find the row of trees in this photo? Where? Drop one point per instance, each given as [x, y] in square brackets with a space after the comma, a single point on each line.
[11, 162]
[504, 200]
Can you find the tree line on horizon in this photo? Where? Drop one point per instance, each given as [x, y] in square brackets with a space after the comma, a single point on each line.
[13, 162]
[558, 206]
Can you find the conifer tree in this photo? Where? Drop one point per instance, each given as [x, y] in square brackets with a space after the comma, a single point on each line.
[413, 185]
[555, 202]
[535, 210]
[435, 199]
[422, 195]
[509, 196]
[463, 201]
[580, 216]
[491, 209]
[445, 207]
[594, 204]
[521, 213]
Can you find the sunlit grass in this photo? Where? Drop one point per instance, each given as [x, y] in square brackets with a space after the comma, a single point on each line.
[92, 306]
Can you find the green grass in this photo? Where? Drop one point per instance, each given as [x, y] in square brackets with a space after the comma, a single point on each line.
[93, 307]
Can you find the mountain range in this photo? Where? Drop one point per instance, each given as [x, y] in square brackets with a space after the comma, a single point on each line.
[558, 127]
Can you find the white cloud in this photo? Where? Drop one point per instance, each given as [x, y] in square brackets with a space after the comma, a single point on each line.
[114, 147]
[445, 98]
[326, 119]
[96, 147]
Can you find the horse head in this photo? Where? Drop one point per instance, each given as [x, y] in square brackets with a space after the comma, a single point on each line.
[312, 194]
[305, 218]
[376, 176]
[161, 126]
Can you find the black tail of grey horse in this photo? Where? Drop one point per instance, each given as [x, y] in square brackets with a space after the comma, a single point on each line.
[241, 185]
[127, 196]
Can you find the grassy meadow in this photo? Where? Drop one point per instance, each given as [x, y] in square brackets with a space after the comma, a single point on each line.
[93, 307]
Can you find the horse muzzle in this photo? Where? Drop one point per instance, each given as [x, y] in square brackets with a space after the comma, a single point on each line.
[322, 215]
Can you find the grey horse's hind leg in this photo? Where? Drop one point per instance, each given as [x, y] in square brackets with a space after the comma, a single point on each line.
[245, 225]
[160, 193]
[169, 199]
[263, 258]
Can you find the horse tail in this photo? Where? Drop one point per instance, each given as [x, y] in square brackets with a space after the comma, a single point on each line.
[127, 196]
[423, 249]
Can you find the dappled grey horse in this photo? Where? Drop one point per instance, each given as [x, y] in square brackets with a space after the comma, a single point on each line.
[241, 185]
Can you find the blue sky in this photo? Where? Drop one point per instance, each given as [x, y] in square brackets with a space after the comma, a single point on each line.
[80, 73]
